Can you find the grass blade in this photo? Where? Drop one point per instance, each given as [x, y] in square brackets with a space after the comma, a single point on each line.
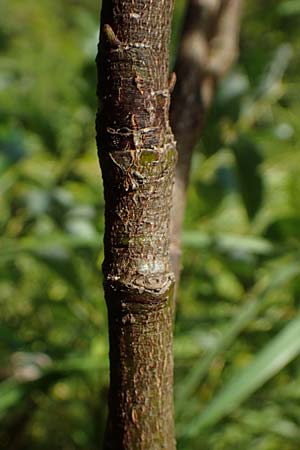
[275, 356]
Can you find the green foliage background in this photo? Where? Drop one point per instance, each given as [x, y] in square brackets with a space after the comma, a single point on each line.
[237, 336]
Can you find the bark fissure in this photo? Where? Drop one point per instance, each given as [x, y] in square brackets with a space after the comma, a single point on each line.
[137, 156]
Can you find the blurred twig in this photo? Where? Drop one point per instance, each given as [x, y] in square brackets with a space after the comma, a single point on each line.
[208, 47]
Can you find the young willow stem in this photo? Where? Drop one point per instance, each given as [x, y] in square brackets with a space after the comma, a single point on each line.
[137, 156]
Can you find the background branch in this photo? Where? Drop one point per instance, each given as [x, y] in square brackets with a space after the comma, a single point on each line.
[208, 47]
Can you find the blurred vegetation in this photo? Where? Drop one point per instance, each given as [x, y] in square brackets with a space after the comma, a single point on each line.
[237, 335]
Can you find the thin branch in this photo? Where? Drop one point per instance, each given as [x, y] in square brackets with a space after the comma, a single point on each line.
[224, 45]
[208, 48]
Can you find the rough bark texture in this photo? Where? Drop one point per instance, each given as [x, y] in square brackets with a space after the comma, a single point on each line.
[208, 47]
[137, 157]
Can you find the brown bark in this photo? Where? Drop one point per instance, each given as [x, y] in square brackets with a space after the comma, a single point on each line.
[137, 157]
[208, 47]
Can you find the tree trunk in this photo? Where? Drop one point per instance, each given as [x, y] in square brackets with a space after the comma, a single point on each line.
[137, 157]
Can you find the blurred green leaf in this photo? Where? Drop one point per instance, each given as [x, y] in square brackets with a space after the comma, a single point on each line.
[284, 229]
[11, 393]
[14, 390]
[199, 371]
[55, 245]
[227, 242]
[248, 160]
[255, 302]
[61, 261]
[279, 352]
[12, 148]
[289, 8]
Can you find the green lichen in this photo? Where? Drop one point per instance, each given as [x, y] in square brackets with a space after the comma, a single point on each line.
[148, 157]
